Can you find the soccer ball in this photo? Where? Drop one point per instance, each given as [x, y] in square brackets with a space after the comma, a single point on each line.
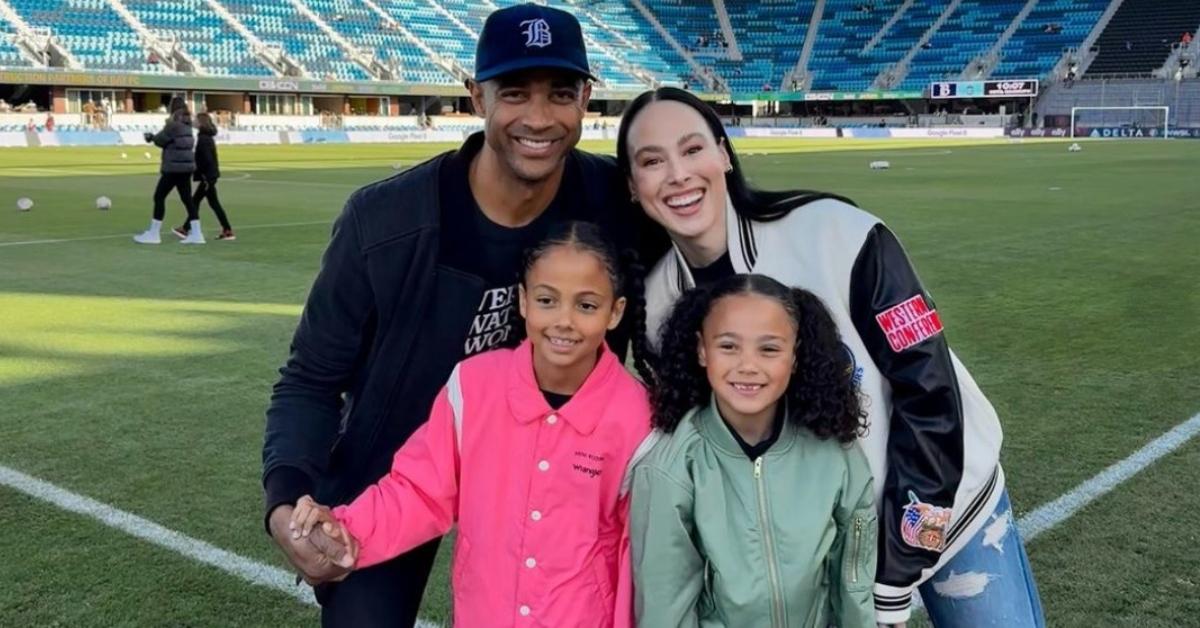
[146, 155]
[103, 203]
[24, 204]
[1074, 148]
[880, 165]
[124, 155]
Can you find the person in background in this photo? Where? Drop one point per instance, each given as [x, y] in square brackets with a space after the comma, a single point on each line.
[178, 162]
[208, 170]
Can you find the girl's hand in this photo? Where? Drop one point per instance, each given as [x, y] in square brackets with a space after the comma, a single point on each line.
[307, 514]
[333, 539]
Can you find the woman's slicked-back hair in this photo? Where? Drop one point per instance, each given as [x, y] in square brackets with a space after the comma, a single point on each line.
[821, 395]
[749, 202]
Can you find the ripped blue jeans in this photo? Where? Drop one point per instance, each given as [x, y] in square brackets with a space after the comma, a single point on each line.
[988, 583]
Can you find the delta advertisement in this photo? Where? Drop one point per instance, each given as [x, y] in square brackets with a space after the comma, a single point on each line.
[1104, 132]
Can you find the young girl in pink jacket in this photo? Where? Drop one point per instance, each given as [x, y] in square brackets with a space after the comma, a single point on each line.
[526, 450]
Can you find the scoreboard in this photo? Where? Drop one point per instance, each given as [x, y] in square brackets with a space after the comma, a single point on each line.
[984, 89]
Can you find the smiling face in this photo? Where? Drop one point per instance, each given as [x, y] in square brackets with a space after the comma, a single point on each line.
[677, 170]
[568, 303]
[532, 119]
[747, 347]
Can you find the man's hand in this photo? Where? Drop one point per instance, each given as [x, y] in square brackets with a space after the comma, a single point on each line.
[318, 557]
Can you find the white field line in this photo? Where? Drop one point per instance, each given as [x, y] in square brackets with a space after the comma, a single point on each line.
[1032, 525]
[131, 234]
[1050, 515]
[251, 571]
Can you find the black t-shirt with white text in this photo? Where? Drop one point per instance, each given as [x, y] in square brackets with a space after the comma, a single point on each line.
[472, 243]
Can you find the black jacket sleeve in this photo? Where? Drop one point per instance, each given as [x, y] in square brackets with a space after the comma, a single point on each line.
[897, 321]
[164, 137]
[305, 411]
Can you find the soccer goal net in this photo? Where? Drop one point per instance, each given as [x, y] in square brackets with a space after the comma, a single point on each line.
[1120, 121]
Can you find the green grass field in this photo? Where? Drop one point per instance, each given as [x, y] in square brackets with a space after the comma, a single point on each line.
[138, 375]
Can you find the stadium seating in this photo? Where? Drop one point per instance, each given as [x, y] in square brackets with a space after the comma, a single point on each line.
[434, 29]
[362, 26]
[91, 30]
[627, 49]
[610, 25]
[770, 34]
[301, 38]
[837, 61]
[1052, 27]
[10, 55]
[1139, 37]
[969, 32]
[900, 38]
[215, 45]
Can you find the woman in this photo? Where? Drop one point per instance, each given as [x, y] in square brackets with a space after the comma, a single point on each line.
[208, 170]
[178, 162]
[933, 441]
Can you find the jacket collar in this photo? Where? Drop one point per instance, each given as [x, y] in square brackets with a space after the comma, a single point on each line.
[739, 237]
[583, 411]
[712, 427]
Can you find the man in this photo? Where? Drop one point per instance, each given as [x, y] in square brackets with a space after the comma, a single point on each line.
[420, 273]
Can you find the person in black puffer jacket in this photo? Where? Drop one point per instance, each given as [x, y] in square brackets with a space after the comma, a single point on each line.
[208, 170]
[178, 162]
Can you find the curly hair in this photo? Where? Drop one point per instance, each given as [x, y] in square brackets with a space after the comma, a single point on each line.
[623, 268]
[821, 395]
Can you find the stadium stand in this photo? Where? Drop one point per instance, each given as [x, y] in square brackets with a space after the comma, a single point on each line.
[1139, 37]
[10, 55]
[903, 34]
[434, 29]
[218, 48]
[1051, 28]
[969, 32]
[838, 61]
[93, 32]
[856, 44]
[282, 23]
[362, 26]
[770, 35]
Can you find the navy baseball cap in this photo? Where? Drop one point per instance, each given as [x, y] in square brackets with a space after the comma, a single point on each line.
[527, 36]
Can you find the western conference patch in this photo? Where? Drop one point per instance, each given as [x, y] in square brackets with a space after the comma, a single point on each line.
[909, 323]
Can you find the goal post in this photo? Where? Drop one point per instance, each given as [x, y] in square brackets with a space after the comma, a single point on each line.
[1114, 122]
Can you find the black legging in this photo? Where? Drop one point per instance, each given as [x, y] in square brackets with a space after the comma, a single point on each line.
[208, 189]
[181, 181]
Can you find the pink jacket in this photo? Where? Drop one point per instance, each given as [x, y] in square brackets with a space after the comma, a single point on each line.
[540, 496]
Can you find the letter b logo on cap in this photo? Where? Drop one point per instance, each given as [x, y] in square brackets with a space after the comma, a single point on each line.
[537, 33]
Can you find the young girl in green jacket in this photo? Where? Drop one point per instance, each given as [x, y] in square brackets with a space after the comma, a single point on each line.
[752, 391]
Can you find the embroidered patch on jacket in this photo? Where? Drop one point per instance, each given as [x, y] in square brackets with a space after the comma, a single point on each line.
[909, 323]
[924, 525]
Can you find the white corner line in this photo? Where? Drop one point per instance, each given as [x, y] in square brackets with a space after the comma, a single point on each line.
[1049, 515]
[247, 569]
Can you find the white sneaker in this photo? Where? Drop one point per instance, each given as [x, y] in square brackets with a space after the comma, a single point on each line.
[193, 237]
[147, 237]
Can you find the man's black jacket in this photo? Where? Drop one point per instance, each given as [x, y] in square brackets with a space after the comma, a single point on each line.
[383, 326]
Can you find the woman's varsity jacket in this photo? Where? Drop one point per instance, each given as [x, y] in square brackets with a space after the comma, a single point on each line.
[934, 439]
